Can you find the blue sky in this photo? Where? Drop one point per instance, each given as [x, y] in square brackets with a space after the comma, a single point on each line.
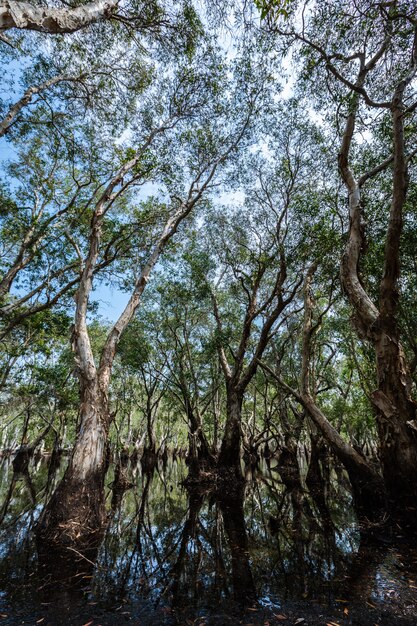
[111, 301]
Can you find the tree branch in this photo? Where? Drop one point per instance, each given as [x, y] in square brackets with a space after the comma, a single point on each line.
[24, 15]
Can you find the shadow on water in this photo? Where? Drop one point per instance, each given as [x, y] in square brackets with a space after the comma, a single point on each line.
[270, 552]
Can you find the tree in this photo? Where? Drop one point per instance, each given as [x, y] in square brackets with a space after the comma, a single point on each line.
[353, 63]
[80, 95]
[78, 501]
[261, 256]
[184, 339]
[367, 484]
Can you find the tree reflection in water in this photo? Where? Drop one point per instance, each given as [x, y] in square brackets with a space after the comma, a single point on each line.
[273, 547]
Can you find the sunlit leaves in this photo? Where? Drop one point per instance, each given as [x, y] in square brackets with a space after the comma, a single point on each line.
[271, 9]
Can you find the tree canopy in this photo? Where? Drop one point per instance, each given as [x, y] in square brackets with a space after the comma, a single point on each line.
[241, 176]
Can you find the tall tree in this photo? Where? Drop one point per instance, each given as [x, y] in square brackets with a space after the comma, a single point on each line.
[261, 258]
[78, 501]
[367, 65]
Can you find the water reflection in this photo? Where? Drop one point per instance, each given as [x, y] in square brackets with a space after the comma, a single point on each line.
[273, 551]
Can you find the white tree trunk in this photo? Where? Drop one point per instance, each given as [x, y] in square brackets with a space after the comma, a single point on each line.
[24, 15]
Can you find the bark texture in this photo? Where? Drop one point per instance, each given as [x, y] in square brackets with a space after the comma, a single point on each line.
[76, 514]
[24, 15]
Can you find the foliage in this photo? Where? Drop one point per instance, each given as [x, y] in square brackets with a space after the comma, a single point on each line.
[160, 86]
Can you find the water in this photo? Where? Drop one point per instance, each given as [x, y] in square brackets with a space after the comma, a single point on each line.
[267, 556]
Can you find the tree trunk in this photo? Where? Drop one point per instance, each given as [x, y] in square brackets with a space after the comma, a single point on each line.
[318, 483]
[149, 455]
[367, 485]
[51, 20]
[76, 514]
[229, 457]
[200, 458]
[396, 411]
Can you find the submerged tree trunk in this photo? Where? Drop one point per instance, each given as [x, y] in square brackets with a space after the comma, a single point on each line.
[396, 413]
[396, 410]
[76, 512]
[237, 376]
[378, 322]
[318, 482]
[199, 458]
[149, 455]
[367, 485]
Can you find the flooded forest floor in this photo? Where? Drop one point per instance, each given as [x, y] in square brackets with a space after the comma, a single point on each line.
[267, 554]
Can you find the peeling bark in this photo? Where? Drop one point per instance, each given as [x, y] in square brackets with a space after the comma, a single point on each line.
[24, 15]
[76, 514]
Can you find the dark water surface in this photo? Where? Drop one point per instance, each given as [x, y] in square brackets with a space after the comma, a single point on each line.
[270, 555]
